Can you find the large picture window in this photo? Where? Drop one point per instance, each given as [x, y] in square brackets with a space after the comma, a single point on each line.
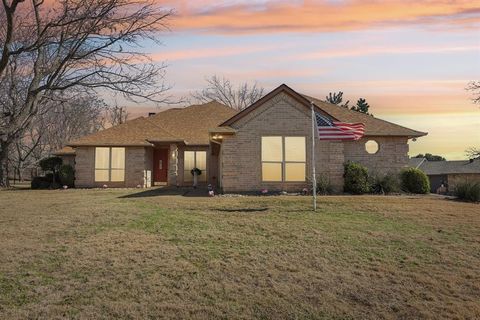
[283, 159]
[109, 164]
[195, 159]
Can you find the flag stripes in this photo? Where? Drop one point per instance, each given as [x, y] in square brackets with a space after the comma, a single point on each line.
[337, 130]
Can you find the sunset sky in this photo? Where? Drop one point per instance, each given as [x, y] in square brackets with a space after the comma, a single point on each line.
[411, 60]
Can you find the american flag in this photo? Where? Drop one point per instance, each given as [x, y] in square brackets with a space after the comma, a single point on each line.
[336, 130]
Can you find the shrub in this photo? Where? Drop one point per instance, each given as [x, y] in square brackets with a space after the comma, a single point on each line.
[356, 178]
[386, 184]
[40, 183]
[468, 191]
[323, 185]
[415, 181]
[51, 164]
[49, 177]
[67, 175]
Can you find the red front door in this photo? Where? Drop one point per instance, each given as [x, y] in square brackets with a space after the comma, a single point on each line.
[160, 165]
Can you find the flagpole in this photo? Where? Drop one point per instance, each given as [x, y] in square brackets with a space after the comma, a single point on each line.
[314, 179]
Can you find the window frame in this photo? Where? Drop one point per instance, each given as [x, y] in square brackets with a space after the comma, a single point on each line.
[110, 168]
[366, 147]
[283, 162]
[186, 172]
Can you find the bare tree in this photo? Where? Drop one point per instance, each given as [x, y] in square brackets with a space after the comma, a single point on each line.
[114, 116]
[222, 90]
[474, 87]
[473, 153]
[53, 127]
[63, 48]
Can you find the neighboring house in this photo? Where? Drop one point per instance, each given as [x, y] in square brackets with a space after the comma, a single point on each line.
[267, 145]
[448, 173]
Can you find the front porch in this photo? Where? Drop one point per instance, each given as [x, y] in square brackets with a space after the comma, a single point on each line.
[171, 165]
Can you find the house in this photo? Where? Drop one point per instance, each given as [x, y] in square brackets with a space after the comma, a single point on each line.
[266, 145]
[448, 173]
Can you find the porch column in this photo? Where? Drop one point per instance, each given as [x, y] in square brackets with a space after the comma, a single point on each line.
[173, 165]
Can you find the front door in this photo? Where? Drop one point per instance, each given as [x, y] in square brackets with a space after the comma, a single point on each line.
[160, 165]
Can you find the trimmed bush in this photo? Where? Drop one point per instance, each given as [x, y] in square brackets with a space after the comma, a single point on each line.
[389, 183]
[324, 186]
[356, 178]
[67, 175]
[41, 183]
[468, 191]
[415, 181]
[49, 177]
[51, 164]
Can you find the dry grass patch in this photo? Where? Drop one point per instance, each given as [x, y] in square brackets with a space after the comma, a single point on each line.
[92, 253]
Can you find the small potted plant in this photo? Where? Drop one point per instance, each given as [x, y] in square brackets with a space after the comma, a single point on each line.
[195, 173]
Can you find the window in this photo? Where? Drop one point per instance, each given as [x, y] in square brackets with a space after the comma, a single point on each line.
[371, 146]
[283, 159]
[194, 159]
[110, 164]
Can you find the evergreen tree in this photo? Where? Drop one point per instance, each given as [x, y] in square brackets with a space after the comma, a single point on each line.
[430, 157]
[361, 106]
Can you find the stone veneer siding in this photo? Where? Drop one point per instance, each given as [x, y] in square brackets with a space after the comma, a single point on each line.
[138, 167]
[240, 154]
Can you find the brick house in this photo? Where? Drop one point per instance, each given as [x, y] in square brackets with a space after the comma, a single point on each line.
[266, 145]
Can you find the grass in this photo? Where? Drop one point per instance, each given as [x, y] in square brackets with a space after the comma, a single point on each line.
[96, 254]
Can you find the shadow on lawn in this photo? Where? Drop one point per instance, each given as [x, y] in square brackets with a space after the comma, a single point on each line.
[243, 210]
[169, 191]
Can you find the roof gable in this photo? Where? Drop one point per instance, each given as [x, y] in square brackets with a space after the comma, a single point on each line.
[373, 126]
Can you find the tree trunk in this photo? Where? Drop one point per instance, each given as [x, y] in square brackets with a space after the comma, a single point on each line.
[4, 183]
[19, 173]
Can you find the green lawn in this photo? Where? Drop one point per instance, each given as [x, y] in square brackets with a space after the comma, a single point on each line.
[99, 254]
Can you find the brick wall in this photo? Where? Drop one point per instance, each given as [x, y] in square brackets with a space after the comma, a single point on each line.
[138, 161]
[240, 154]
[392, 155]
[454, 179]
[84, 167]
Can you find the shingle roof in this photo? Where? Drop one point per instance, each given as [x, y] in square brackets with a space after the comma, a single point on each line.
[373, 126]
[450, 167]
[415, 162]
[64, 151]
[192, 124]
[189, 125]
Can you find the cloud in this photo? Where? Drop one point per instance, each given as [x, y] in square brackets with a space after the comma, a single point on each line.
[208, 53]
[283, 16]
[383, 50]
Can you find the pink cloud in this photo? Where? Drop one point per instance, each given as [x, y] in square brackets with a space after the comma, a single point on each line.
[200, 53]
[283, 16]
[364, 51]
